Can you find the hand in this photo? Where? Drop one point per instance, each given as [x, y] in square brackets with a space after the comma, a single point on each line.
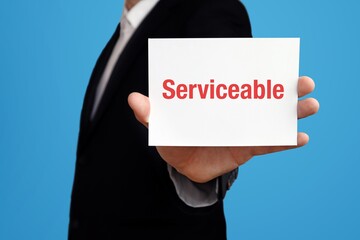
[201, 164]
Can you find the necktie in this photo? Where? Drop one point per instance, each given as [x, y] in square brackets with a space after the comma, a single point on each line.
[125, 33]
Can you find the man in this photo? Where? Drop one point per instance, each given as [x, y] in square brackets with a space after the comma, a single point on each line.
[124, 189]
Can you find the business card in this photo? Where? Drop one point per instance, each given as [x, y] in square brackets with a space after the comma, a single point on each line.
[223, 91]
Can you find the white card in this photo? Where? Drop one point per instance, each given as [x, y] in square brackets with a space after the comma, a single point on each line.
[223, 91]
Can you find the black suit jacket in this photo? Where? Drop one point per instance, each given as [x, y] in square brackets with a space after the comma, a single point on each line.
[121, 185]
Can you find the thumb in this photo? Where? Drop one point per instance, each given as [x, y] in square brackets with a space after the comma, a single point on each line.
[140, 104]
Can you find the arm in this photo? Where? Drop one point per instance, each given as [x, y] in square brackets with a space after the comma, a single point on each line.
[212, 19]
[204, 164]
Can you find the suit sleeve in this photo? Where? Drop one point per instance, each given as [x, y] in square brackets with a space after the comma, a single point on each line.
[214, 18]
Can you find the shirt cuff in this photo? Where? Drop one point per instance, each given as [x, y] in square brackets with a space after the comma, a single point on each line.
[194, 194]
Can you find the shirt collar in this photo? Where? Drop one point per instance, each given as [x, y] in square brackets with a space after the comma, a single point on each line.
[138, 12]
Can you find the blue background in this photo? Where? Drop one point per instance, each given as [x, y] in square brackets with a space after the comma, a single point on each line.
[48, 49]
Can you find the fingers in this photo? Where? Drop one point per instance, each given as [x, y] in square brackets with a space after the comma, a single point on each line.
[302, 139]
[305, 86]
[307, 107]
[141, 106]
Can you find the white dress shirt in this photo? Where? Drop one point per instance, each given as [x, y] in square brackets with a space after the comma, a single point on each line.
[191, 193]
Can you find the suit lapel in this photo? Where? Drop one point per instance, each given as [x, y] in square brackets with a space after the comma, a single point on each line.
[85, 123]
[135, 45]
